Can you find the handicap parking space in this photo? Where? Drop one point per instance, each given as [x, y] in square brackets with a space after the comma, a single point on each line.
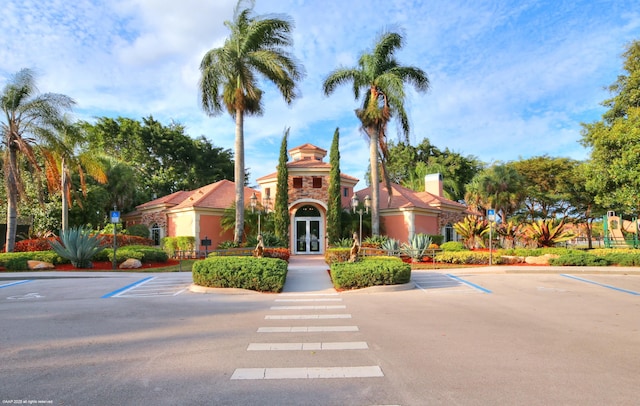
[153, 286]
[435, 282]
[42, 288]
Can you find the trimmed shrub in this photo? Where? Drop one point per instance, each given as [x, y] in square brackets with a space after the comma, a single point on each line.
[124, 240]
[579, 259]
[34, 244]
[139, 230]
[141, 252]
[332, 255]
[623, 258]
[371, 271]
[437, 239]
[452, 246]
[467, 257]
[17, 261]
[260, 274]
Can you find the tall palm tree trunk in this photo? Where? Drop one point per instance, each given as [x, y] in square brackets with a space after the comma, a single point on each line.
[375, 181]
[238, 173]
[12, 200]
[64, 188]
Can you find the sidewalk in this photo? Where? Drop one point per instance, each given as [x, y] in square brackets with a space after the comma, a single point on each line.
[308, 273]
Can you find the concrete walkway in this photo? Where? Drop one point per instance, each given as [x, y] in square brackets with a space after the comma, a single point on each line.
[308, 273]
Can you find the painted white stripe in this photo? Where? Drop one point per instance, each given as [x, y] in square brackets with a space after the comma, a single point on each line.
[325, 329]
[308, 294]
[308, 307]
[348, 345]
[309, 300]
[307, 373]
[308, 317]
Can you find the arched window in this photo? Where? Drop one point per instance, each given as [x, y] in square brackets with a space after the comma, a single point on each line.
[308, 211]
[155, 233]
[448, 233]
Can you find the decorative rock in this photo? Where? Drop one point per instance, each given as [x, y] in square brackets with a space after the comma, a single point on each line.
[39, 265]
[131, 263]
[511, 259]
[541, 260]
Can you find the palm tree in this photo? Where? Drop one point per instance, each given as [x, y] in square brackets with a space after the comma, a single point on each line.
[65, 156]
[499, 187]
[256, 45]
[382, 80]
[29, 118]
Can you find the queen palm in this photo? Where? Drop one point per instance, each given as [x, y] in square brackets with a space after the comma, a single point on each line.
[30, 118]
[381, 80]
[256, 46]
[67, 155]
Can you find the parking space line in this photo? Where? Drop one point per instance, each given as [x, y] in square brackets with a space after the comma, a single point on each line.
[6, 285]
[307, 316]
[473, 285]
[308, 307]
[120, 291]
[309, 329]
[631, 292]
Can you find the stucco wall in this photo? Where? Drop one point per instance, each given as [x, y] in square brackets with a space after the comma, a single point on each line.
[426, 224]
[210, 227]
[395, 227]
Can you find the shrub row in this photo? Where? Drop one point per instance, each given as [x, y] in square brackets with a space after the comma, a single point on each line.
[370, 271]
[141, 252]
[43, 244]
[466, 257]
[17, 261]
[260, 274]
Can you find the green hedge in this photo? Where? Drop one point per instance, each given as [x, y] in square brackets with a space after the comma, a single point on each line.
[370, 271]
[467, 257]
[142, 252]
[452, 246]
[579, 259]
[260, 274]
[17, 261]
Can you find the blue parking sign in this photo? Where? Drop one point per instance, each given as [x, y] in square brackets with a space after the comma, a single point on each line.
[115, 216]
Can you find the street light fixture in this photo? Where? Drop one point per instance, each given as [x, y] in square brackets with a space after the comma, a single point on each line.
[266, 202]
[354, 205]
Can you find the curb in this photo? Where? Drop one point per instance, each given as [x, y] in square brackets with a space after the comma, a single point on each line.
[381, 289]
[222, 291]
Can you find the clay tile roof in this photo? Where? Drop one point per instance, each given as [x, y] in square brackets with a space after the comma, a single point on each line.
[219, 195]
[403, 197]
[168, 200]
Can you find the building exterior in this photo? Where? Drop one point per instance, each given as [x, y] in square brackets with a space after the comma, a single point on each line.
[199, 213]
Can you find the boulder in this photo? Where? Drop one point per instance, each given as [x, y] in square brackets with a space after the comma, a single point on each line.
[131, 263]
[39, 265]
[541, 260]
[511, 259]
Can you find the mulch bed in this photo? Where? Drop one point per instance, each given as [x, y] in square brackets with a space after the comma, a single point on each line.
[108, 266]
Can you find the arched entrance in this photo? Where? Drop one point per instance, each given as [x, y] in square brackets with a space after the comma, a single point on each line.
[308, 231]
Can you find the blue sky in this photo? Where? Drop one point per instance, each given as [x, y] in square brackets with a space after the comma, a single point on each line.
[509, 79]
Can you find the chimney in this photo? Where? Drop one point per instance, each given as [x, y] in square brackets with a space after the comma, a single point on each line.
[433, 184]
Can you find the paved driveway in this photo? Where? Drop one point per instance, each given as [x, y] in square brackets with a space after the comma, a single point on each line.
[525, 339]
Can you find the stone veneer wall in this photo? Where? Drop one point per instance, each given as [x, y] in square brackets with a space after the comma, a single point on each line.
[308, 191]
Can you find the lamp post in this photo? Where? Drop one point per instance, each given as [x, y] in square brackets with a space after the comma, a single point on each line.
[266, 202]
[354, 206]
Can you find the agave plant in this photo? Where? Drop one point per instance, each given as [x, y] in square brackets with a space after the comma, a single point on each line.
[391, 245]
[417, 246]
[548, 232]
[78, 245]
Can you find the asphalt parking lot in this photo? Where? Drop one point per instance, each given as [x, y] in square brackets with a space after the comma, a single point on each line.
[458, 338]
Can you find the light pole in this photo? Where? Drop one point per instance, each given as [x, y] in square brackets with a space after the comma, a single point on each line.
[266, 202]
[354, 206]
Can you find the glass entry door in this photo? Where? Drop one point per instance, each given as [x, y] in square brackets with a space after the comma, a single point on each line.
[308, 236]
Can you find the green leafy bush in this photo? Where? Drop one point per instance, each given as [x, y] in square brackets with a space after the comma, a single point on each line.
[140, 230]
[436, 239]
[268, 239]
[78, 245]
[141, 252]
[375, 241]
[579, 259]
[225, 245]
[467, 257]
[332, 255]
[17, 261]
[623, 258]
[260, 274]
[371, 271]
[343, 243]
[452, 246]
